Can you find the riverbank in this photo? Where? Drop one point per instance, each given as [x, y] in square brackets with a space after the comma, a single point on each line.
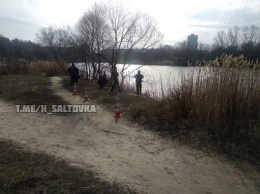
[121, 151]
[167, 118]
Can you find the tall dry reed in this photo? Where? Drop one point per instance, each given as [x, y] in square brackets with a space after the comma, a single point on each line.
[223, 97]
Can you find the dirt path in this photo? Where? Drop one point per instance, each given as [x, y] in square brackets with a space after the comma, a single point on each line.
[123, 152]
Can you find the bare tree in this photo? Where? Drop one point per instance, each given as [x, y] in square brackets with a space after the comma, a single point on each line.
[111, 32]
[129, 32]
[220, 40]
[250, 37]
[203, 51]
[182, 52]
[250, 34]
[93, 35]
[55, 39]
[220, 43]
[238, 40]
[143, 36]
[81, 49]
[119, 26]
[233, 37]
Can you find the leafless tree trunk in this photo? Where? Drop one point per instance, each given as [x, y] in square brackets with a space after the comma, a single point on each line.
[250, 34]
[56, 39]
[108, 30]
[233, 37]
[221, 39]
[129, 32]
[93, 32]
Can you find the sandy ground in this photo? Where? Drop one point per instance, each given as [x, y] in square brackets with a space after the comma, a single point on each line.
[123, 152]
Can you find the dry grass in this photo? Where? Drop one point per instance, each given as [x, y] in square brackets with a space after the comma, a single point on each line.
[216, 106]
[220, 99]
[45, 68]
[223, 99]
[26, 89]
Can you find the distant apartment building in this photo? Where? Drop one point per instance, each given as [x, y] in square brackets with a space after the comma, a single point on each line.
[192, 41]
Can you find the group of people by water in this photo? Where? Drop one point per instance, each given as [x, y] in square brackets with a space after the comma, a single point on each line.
[102, 81]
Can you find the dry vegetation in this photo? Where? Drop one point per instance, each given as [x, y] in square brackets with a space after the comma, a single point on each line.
[215, 108]
[218, 102]
[38, 68]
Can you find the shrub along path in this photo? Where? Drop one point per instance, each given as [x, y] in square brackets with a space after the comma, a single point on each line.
[123, 152]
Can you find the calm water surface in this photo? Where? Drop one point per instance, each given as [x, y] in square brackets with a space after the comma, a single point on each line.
[157, 78]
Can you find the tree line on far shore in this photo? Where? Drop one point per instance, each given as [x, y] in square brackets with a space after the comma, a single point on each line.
[109, 33]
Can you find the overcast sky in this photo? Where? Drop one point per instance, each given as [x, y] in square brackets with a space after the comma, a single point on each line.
[176, 19]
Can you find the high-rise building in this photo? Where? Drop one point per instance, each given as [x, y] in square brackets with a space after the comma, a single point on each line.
[192, 41]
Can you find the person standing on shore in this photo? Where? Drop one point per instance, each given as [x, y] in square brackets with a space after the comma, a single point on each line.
[74, 74]
[115, 75]
[138, 80]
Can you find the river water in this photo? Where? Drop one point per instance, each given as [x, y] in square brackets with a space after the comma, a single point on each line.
[157, 78]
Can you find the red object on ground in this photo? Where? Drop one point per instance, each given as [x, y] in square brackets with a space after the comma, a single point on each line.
[75, 88]
[86, 97]
[117, 113]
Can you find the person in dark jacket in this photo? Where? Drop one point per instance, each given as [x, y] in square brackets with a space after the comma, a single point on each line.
[74, 73]
[115, 75]
[102, 81]
[138, 80]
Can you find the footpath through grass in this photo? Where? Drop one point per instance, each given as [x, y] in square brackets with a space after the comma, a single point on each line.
[211, 114]
[25, 172]
[127, 100]
[217, 113]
